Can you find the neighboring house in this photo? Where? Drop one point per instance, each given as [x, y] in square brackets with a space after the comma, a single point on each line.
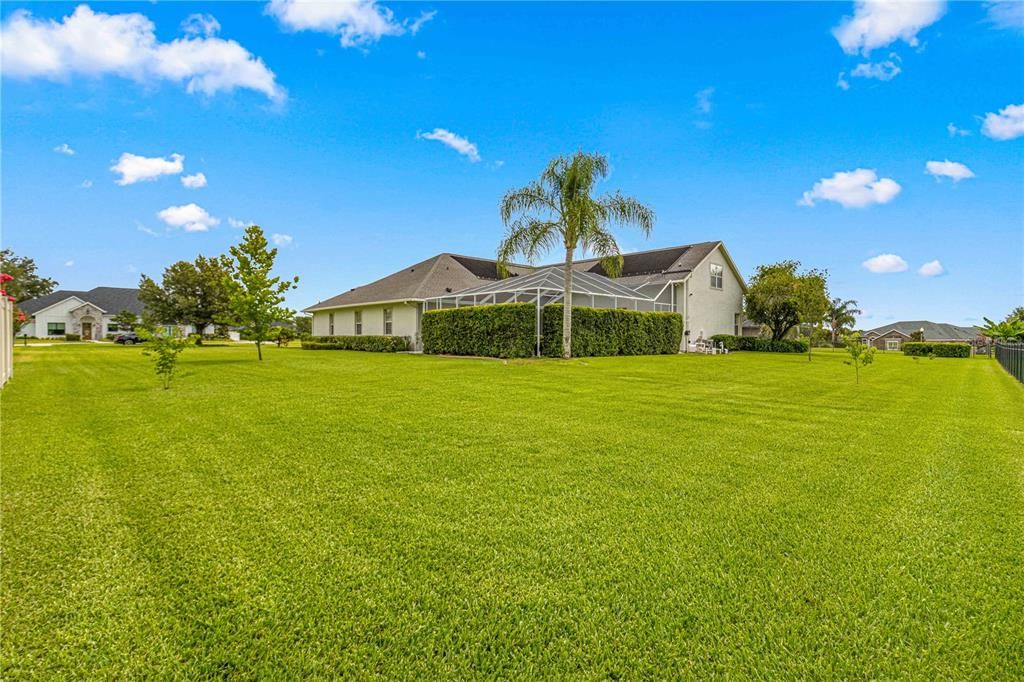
[892, 336]
[698, 281]
[87, 313]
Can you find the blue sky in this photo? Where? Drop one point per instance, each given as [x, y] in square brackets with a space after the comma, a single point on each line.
[374, 135]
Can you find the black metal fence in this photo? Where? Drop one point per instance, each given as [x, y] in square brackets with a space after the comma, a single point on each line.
[1010, 355]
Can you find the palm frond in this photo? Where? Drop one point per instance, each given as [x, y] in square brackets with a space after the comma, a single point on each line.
[529, 238]
[532, 197]
[627, 211]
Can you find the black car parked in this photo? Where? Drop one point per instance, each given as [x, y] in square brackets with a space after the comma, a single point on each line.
[128, 338]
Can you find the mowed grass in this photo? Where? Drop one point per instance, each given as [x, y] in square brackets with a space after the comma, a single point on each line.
[397, 516]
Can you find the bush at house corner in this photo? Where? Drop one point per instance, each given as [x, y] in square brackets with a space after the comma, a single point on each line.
[759, 344]
[373, 344]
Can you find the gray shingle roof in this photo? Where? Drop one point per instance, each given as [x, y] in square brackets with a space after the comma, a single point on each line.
[111, 299]
[933, 331]
[446, 273]
[437, 276]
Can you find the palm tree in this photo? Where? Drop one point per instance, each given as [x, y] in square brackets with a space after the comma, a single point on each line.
[558, 210]
[841, 314]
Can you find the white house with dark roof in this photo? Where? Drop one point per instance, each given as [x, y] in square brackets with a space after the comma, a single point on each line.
[698, 281]
[87, 313]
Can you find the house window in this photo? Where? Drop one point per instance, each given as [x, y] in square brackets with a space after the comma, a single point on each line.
[716, 276]
[892, 344]
[113, 327]
[330, 324]
[387, 322]
[736, 324]
[55, 329]
[359, 322]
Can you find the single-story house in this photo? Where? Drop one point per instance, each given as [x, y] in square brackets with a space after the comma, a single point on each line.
[698, 281]
[893, 335]
[87, 313]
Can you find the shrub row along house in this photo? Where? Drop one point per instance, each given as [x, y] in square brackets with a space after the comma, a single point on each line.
[700, 282]
[892, 336]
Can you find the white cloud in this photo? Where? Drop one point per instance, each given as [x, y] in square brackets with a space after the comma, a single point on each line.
[704, 103]
[134, 168]
[194, 181]
[932, 268]
[883, 71]
[281, 239]
[69, 263]
[956, 132]
[877, 23]
[64, 149]
[416, 24]
[885, 262]
[1006, 125]
[96, 44]
[852, 189]
[841, 81]
[357, 23]
[200, 25]
[456, 142]
[1006, 14]
[86, 184]
[142, 228]
[420, 54]
[240, 224]
[948, 169]
[190, 217]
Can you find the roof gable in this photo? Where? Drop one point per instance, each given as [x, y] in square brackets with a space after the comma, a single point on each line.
[108, 299]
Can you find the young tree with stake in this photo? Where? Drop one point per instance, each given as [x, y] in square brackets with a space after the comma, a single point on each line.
[254, 295]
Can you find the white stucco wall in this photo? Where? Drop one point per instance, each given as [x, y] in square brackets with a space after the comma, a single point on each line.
[708, 311]
[404, 320]
[59, 312]
[62, 312]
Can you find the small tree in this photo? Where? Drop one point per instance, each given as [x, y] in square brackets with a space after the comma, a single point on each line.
[861, 354]
[24, 283]
[780, 298]
[812, 302]
[254, 296]
[192, 293]
[282, 336]
[164, 348]
[303, 325]
[125, 320]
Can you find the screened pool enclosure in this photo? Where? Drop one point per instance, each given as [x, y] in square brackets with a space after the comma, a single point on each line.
[547, 286]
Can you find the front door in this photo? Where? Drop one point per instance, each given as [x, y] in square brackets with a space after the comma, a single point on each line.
[87, 331]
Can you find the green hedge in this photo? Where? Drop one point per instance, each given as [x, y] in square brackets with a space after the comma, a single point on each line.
[759, 344]
[508, 330]
[373, 344]
[72, 337]
[939, 350]
[505, 330]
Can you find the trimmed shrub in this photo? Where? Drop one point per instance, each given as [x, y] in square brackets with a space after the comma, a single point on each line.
[939, 350]
[72, 337]
[759, 344]
[508, 330]
[373, 344]
[608, 331]
[505, 330]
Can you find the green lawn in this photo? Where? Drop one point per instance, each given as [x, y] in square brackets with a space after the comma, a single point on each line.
[401, 516]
